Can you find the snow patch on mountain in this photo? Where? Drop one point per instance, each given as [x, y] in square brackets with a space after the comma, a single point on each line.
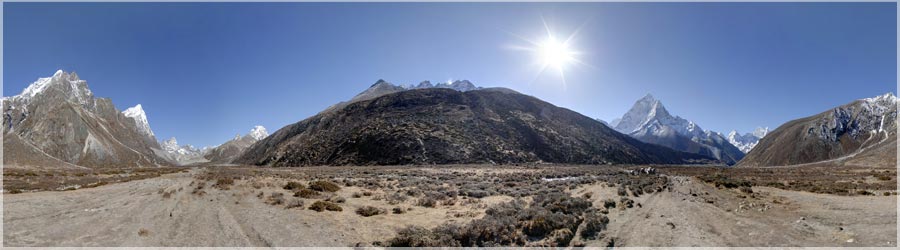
[747, 141]
[180, 154]
[171, 146]
[865, 117]
[69, 82]
[140, 118]
[258, 132]
[458, 85]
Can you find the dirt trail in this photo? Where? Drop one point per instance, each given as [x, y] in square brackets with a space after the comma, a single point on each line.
[137, 213]
[696, 214]
[114, 215]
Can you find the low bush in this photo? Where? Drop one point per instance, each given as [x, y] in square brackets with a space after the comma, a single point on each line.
[275, 199]
[609, 203]
[559, 238]
[593, 224]
[367, 211]
[320, 206]
[293, 185]
[627, 203]
[720, 180]
[324, 186]
[337, 199]
[417, 236]
[223, 183]
[306, 193]
[294, 203]
[426, 202]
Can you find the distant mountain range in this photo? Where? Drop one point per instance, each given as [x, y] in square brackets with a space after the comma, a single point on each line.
[863, 132]
[649, 121]
[56, 122]
[387, 125]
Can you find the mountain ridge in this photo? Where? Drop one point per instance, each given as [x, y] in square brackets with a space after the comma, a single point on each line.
[509, 127]
[845, 133]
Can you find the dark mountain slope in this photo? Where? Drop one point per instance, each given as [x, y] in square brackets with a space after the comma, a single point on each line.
[444, 126]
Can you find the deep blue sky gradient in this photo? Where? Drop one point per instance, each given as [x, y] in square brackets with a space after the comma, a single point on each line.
[207, 71]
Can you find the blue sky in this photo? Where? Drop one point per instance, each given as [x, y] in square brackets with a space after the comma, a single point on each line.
[207, 71]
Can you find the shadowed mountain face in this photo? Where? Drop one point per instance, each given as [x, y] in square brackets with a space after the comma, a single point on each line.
[58, 119]
[862, 132]
[446, 126]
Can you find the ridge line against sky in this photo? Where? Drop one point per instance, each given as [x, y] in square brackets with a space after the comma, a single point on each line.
[207, 71]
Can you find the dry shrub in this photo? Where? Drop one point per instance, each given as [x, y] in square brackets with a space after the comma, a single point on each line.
[223, 183]
[336, 199]
[168, 194]
[307, 193]
[294, 203]
[609, 203]
[426, 202]
[320, 206]
[593, 224]
[324, 186]
[367, 211]
[626, 203]
[293, 185]
[417, 236]
[275, 199]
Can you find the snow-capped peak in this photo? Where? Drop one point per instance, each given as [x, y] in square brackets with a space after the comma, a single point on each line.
[747, 141]
[760, 132]
[458, 85]
[258, 132]
[885, 98]
[424, 84]
[643, 113]
[171, 146]
[38, 86]
[140, 119]
[74, 86]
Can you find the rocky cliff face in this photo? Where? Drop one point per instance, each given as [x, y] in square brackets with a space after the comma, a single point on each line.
[864, 130]
[444, 126]
[59, 117]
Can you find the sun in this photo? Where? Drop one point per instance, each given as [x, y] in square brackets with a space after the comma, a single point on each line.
[554, 53]
[551, 53]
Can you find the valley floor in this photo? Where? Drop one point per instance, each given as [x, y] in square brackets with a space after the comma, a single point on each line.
[238, 206]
